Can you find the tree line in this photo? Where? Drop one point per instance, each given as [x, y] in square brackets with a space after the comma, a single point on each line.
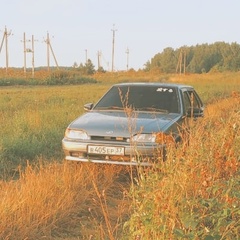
[202, 58]
[219, 56]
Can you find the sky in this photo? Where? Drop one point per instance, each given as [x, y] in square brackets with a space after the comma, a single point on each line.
[85, 29]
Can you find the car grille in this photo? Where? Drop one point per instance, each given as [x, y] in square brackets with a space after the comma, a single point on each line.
[108, 138]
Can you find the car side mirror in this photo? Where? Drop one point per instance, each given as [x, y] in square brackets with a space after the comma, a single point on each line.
[88, 106]
[195, 112]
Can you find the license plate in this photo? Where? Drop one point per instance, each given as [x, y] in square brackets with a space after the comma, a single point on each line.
[105, 150]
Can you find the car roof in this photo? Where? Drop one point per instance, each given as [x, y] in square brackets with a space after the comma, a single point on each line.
[156, 84]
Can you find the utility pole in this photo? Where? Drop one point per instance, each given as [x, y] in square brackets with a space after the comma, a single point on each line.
[181, 65]
[33, 64]
[28, 50]
[99, 59]
[127, 52]
[25, 50]
[184, 61]
[48, 56]
[49, 48]
[86, 56]
[6, 44]
[5, 37]
[24, 53]
[113, 42]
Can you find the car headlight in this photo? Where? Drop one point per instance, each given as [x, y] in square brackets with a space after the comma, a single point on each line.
[159, 137]
[144, 137]
[76, 134]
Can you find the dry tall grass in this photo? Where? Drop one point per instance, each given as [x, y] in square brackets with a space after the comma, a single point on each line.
[62, 201]
[195, 195]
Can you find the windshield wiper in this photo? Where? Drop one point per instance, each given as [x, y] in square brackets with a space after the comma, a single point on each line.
[153, 109]
[109, 108]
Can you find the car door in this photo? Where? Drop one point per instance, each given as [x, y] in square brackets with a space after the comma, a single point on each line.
[192, 108]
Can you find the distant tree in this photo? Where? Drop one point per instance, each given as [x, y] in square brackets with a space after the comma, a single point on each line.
[165, 61]
[101, 69]
[75, 65]
[147, 66]
[132, 70]
[199, 61]
[168, 60]
[88, 68]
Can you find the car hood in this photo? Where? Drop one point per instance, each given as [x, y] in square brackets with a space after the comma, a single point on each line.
[115, 123]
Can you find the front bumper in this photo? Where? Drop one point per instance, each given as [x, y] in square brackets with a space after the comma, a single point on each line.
[135, 155]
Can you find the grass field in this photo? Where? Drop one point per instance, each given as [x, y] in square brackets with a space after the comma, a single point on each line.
[194, 195]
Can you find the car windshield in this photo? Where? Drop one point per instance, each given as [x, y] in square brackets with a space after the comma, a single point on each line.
[140, 98]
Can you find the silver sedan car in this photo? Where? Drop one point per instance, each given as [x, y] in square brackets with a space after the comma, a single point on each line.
[132, 124]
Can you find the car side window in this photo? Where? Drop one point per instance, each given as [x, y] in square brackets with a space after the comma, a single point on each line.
[190, 100]
[186, 100]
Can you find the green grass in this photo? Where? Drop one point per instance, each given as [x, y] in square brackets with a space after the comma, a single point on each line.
[34, 119]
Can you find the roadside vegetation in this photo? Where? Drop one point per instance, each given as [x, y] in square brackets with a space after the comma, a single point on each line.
[193, 195]
[43, 78]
